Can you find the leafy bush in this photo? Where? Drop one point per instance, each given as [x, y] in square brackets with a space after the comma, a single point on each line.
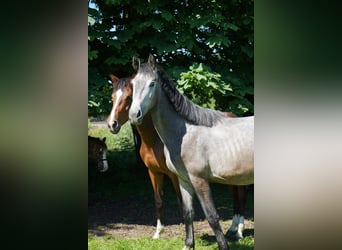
[202, 86]
[99, 94]
[208, 89]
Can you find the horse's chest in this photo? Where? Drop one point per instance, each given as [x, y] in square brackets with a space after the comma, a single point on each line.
[174, 162]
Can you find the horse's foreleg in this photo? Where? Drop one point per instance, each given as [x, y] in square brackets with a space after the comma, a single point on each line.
[175, 184]
[157, 181]
[203, 192]
[188, 213]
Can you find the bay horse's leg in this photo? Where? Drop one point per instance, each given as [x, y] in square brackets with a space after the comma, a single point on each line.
[203, 192]
[188, 213]
[239, 204]
[175, 183]
[137, 145]
[235, 220]
[157, 181]
[242, 196]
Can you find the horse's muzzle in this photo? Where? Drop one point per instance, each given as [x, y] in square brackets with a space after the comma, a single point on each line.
[135, 116]
[104, 169]
[114, 126]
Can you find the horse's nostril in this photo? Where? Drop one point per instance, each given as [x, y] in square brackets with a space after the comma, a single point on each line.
[112, 125]
[139, 114]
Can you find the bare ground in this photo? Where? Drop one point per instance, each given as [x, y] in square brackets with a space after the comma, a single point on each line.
[129, 219]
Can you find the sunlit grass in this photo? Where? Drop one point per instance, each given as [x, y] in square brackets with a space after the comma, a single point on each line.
[115, 142]
[106, 242]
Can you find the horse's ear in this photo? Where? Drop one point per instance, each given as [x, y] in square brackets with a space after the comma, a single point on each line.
[104, 139]
[113, 78]
[151, 61]
[135, 63]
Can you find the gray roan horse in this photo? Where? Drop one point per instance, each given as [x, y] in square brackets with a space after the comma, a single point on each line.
[201, 145]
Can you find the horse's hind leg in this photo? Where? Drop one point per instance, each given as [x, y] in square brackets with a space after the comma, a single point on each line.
[239, 203]
[203, 192]
[157, 181]
[233, 228]
[242, 197]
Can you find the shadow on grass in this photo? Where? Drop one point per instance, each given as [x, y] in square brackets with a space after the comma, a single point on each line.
[233, 242]
[211, 238]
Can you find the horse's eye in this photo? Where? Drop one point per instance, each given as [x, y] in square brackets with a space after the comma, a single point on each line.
[152, 83]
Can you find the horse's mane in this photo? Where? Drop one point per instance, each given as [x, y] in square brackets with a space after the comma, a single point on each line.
[185, 107]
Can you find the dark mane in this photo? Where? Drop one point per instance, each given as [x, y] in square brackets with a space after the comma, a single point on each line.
[183, 106]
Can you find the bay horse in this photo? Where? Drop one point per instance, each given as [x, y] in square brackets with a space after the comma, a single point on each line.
[97, 152]
[201, 145]
[151, 148]
[122, 96]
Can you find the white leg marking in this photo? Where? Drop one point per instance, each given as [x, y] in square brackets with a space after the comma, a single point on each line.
[241, 227]
[159, 230]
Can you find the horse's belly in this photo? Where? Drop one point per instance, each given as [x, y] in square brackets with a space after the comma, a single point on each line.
[234, 177]
[232, 168]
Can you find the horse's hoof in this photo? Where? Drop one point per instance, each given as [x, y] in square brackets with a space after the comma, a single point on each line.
[159, 230]
[238, 236]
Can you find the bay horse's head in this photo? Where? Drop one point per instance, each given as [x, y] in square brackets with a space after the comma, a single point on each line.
[145, 85]
[122, 98]
[97, 152]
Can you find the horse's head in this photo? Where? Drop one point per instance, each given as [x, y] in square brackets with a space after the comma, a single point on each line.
[145, 86]
[121, 97]
[97, 151]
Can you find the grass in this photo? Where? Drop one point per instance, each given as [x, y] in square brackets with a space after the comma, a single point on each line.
[104, 243]
[117, 182]
[123, 141]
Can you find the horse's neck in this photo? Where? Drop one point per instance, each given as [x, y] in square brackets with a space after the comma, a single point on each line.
[147, 131]
[168, 123]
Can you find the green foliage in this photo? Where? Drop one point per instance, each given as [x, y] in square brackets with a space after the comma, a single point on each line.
[202, 86]
[99, 94]
[218, 34]
[207, 89]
